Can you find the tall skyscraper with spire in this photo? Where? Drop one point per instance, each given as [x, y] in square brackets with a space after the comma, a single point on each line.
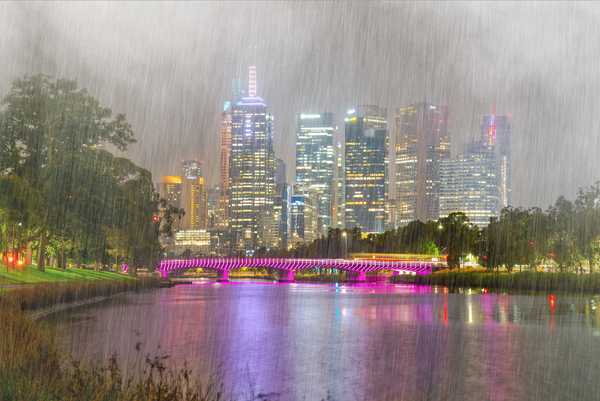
[251, 185]
[422, 141]
[495, 131]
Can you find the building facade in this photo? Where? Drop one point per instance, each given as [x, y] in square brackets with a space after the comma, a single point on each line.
[194, 201]
[251, 166]
[340, 190]
[191, 169]
[365, 188]
[315, 163]
[422, 142]
[470, 183]
[222, 220]
[304, 216]
[280, 175]
[495, 131]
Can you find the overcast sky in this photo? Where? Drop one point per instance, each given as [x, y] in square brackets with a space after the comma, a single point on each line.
[169, 67]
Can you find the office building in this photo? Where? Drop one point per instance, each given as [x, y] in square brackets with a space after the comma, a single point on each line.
[315, 162]
[214, 204]
[422, 141]
[194, 201]
[191, 169]
[282, 207]
[280, 175]
[366, 154]
[391, 222]
[225, 242]
[340, 190]
[197, 242]
[170, 189]
[470, 183]
[303, 216]
[251, 164]
[495, 131]
[222, 217]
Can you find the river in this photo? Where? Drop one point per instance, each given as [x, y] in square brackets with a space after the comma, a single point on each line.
[371, 342]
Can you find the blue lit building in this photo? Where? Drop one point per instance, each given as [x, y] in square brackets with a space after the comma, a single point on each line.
[315, 163]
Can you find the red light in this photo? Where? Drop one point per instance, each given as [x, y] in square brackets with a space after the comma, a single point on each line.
[551, 255]
[70, 196]
[531, 243]
[509, 115]
[485, 256]
[155, 218]
[485, 291]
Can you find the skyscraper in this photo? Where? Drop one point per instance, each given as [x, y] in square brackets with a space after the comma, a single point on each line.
[194, 201]
[251, 165]
[315, 162]
[170, 189]
[495, 130]
[366, 155]
[340, 190]
[280, 175]
[222, 217]
[304, 215]
[470, 183]
[191, 169]
[422, 141]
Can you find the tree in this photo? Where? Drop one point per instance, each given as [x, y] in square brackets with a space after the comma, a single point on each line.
[43, 122]
[19, 203]
[457, 237]
[587, 224]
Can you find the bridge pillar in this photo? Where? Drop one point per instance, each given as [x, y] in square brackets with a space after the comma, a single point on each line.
[286, 276]
[355, 277]
[164, 273]
[222, 276]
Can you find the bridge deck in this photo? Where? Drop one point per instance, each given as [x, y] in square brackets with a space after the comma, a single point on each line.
[356, 265]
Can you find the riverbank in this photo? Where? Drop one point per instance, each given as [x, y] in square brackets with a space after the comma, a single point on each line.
[32, 367]
[30, 275]
[527, 281]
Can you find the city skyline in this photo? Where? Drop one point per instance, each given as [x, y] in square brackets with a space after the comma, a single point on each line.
[470, 67]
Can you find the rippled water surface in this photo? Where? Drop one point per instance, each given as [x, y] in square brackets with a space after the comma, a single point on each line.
[375, 342]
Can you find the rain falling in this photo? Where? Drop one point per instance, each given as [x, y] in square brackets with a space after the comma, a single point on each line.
[334, 200]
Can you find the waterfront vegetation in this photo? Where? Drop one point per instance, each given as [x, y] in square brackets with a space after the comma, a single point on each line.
[33, 367]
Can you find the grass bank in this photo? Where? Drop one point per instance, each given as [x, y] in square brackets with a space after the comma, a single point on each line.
[30, 275]
[529, 281]
[32, 367]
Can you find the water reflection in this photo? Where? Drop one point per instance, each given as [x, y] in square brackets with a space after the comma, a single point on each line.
[361, 341]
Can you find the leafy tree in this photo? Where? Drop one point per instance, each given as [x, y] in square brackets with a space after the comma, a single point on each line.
[42, 123]
[457, 237]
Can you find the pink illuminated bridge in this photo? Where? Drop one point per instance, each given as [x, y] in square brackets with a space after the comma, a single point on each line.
[355, 269]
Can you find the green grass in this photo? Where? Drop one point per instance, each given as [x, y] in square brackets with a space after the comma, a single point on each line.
[30, 274]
